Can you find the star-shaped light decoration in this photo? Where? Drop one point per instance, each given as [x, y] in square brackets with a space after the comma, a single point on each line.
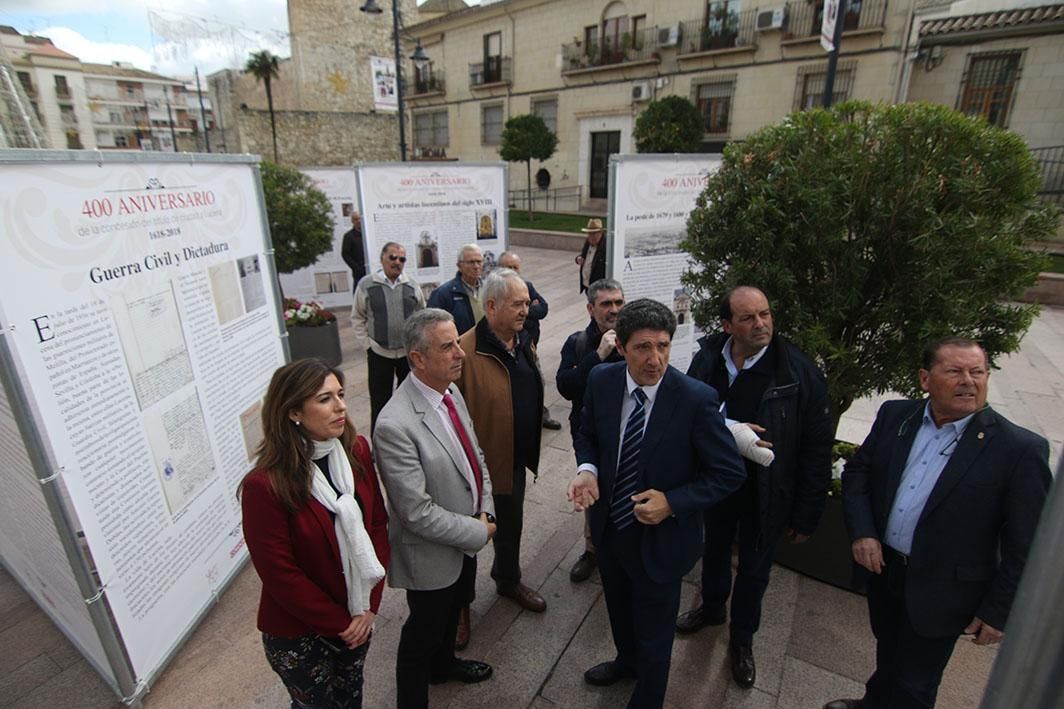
[340, 83]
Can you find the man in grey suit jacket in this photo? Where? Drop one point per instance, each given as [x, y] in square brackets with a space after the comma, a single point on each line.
[440, 506]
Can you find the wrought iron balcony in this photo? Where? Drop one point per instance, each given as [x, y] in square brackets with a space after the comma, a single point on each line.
[425, 83]
[723, 28]
[496, 70]
[643, 45]
[804, 18]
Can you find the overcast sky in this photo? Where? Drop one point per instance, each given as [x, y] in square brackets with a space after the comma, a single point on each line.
[210, 34]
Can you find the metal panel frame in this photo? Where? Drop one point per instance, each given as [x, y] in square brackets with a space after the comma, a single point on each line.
[129, 689]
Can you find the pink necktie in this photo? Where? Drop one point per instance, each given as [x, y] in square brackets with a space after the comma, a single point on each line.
[467, 445]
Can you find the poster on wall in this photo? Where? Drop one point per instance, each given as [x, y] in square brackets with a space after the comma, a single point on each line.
[141, 313]
[651, 197]
[382, 72]
[432, 210]
[329, 280]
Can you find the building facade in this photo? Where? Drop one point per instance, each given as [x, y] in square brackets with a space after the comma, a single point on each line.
[324, 104]
[81, 105]
[588, 67]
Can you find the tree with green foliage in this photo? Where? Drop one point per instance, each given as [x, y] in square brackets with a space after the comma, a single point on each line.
[669, 125]
[266, 67]
[299, 216]
[874, 229]
[526, 138]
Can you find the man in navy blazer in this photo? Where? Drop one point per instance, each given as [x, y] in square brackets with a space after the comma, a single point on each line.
[941, 503]
[652, 455]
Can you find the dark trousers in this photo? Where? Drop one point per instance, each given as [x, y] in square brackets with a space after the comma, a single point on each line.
[319, 673]
[737, 513]
[908, 667]
[510, 520]
[426, 643]
[642, 614]
[383, 371]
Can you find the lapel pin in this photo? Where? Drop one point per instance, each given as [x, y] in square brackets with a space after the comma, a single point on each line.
[980, 435]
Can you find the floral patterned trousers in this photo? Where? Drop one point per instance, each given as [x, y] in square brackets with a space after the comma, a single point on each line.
[319, 673]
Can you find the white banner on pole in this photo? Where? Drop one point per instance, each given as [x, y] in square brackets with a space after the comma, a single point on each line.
[382, 72]
[140, 308]
[651, 197]
[432, 210]
[329, 280]
[827, 26]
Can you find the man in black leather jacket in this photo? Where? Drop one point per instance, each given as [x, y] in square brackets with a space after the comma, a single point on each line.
[769, 387]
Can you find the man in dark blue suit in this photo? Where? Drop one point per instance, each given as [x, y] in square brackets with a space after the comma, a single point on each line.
[653, 444]
[941, 502]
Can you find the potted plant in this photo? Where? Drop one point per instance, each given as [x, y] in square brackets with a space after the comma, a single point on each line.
[826, 555]
[312, 331]
[301, 229]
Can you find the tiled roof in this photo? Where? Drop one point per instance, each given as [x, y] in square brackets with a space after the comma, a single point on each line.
[1028, 17]
[122, 71]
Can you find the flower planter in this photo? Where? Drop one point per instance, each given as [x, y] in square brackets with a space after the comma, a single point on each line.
[826, 555]
[322, 341]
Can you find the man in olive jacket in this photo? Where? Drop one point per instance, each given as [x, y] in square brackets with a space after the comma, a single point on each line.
[503, 388]
[769, 387]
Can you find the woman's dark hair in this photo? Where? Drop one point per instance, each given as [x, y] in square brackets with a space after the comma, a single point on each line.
[285, 452]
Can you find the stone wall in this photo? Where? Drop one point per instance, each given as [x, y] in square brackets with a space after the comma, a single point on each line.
[315, 138]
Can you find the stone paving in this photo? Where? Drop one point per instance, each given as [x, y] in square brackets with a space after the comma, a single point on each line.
[814, 644]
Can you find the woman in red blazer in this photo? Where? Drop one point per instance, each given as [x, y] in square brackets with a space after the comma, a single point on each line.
[317, 530]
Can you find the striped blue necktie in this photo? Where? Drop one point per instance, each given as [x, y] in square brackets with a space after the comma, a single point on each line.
[622, 509]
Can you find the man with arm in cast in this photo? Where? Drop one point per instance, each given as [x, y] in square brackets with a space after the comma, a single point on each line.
[652, 442]
[941, 502]
[537, 310]
[460, 296]
[440, 506]
[583, 351]
[502, 385]
[383, 302]
[769, 388]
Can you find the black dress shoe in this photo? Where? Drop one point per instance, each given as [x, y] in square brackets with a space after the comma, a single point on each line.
[550, 423]
[694, 620]
[468, 671]
[743, 670]
[583, 567]
[606, 673]
[845, 704]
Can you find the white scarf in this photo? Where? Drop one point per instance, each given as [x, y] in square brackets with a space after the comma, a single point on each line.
[361, 568]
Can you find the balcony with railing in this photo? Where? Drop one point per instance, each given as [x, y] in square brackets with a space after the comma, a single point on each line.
[642, 46]
[723, 29]
[804, 18]
[493, 72]
[427, 84]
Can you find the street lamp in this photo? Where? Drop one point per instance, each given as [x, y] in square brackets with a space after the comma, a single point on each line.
[419, 58]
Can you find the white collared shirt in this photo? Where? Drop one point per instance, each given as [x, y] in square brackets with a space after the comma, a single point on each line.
[733, 372]
[627, 406]
[435, 400]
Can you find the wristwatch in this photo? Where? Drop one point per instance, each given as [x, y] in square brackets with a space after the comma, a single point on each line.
[490, 517]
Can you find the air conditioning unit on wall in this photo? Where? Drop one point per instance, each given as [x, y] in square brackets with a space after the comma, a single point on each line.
[669, 36]
[642, 91]
[771, 19]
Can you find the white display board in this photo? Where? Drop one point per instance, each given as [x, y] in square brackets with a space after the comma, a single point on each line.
[651, 197]
[329, 280]
[432, 210]
[139, 310]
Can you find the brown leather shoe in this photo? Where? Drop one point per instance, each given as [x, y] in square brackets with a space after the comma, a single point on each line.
[844, 704]
[525, 597]
[461, 638]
